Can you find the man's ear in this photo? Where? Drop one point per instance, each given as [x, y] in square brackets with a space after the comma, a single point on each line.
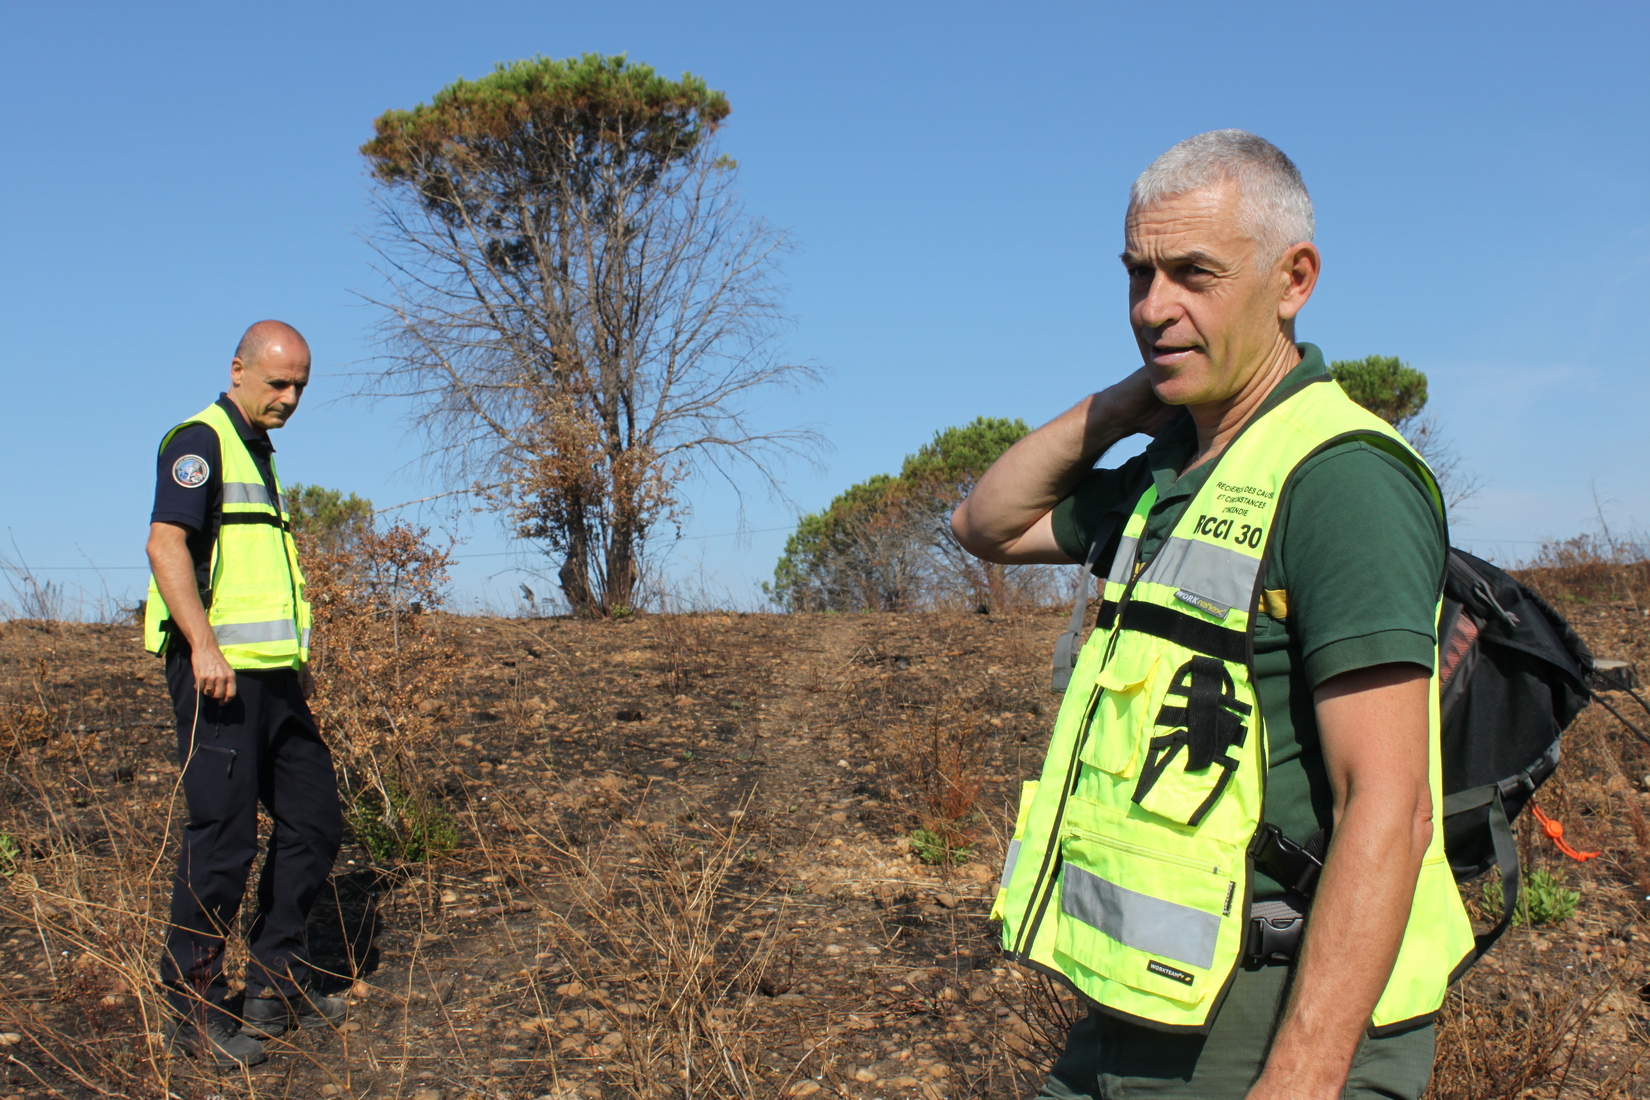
[235, 369]
[1297, 270]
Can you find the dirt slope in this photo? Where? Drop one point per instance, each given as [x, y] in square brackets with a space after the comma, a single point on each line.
[684, 838]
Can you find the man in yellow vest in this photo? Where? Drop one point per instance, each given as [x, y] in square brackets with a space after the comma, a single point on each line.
[226, 609]
[1230, 852]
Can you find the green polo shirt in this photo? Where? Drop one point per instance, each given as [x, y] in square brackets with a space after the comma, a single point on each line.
[1358, 548]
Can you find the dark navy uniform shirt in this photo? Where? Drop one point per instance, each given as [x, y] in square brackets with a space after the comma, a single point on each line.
[189, 481]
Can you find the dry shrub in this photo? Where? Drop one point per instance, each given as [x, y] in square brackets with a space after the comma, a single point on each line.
[382, 671]
[93, 874]
[41, 603]
[939, 753]
[22, 722]
[1591, 567]
[82, 883]
[664, 966]
[654, 923]
[684, 648]
[1526, 1047]
[1040, 1019]
[91, 888]
[86, 893]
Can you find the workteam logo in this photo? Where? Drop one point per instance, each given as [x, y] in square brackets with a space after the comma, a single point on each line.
[191, 471]
[1169, 972]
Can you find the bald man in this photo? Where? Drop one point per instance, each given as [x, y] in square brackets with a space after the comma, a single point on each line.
[226, 610]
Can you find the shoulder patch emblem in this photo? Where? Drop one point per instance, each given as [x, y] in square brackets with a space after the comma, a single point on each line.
[191, 471]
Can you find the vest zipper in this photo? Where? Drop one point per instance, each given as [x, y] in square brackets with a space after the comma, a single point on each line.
[1146, 853]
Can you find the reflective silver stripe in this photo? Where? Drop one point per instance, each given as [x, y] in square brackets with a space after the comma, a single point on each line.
[304, 641]
[1211, 571]
[1145, 923]
[1008, 862]
[275, 630]
[1123, 564]
[245, 492]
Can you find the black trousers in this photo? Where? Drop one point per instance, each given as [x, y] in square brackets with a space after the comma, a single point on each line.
[263, 746]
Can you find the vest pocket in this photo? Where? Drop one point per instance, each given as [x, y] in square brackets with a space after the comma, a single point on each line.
[253, 602]
[252, 616]
[1192, 754]
[1124, 686]
[1148, 919]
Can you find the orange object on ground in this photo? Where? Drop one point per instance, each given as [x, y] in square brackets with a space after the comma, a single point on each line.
[1555, 830]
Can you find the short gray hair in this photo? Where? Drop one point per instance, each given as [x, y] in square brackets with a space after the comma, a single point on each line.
[1273, 203]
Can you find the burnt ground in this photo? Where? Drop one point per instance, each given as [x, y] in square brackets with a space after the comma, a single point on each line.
[683, 867]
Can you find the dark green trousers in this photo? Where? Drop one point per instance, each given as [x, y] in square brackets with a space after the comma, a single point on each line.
[1107, 1059]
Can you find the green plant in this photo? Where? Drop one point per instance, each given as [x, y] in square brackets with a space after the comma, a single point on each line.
[1543, 900]
[11, 853]
[325, 520]
[392, 823]
[935, 848]
[885, 544]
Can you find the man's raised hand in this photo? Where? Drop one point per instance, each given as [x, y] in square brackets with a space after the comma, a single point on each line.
[1132, 404]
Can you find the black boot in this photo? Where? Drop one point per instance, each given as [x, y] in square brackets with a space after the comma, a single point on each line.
[267, 1017]
[217, 1043]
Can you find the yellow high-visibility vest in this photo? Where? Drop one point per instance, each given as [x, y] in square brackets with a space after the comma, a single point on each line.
[1130, 875]
[255, 603]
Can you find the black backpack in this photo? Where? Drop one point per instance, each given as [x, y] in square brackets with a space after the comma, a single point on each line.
[1512, 677]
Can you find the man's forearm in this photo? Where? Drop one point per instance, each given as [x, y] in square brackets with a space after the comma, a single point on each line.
[174, 572]
[1038, 472]
[1372, 724]
[1032, 477]
[1359, 913]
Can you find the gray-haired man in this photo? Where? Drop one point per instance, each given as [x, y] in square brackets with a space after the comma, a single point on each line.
[1336, 657]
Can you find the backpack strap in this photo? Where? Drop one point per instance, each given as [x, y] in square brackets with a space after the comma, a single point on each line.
[1065, 650]
[1506, 859]
[1293, 866]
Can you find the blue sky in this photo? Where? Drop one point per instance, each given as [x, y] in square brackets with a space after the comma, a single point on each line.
[953, 175]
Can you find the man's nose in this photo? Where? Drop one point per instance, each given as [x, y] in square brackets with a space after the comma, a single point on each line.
[1158, 307]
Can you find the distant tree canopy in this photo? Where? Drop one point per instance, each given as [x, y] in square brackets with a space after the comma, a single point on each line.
[1385, 385]
[947, 467]
[579, 306]
[325, 520]
[885, 544]
[1397, 393]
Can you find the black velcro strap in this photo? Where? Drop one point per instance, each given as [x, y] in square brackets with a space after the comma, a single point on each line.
[1209, 723]
[1108, 615]
[268, 519]
[1203, 725]
[1195, 634]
